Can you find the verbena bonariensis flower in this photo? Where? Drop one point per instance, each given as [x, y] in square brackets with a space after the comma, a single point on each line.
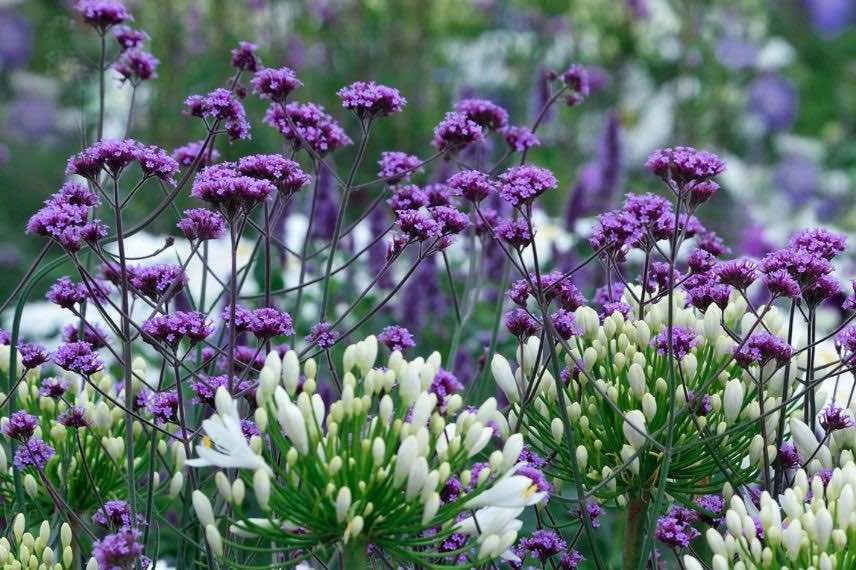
[810, 524]
[284, 173]
[192, 152]
[201, 224]
[473, 185]
[102, 14]
[118, 551]
[66, 294]
[154, 281]
[93, 334]
[616, 233]
[275, 84]
[322, 335]
[78, 357]
[54, 387]
[520, 323]
[738, 273]
[136, 66]
[20, 425]
[171, 329]
[370, 99]
[486, 114]
[221, 106]
[576, 79]
[396, 337]
[244, 57]
[514, 232]
[621, 414]
[418, 225]
[307, 125]
[33, 453]
[164, 406]
[820, 242]
[407, 197]
[33, 355]
[222, 185]
[115, 514]
[520, 138]
[109, 155]
[684, 165]
[396, 166]
[129, 38]
[520, 185]
[269, 322]
[455, 132]
[402, 467]
[761, 348]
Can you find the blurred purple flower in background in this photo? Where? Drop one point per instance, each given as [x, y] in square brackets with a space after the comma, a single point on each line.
[774, 100]
[831, 17]
[797, 178]
[16, 40]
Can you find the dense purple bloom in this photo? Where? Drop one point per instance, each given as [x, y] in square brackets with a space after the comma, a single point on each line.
[78, 357]
[576, 78]
[53, 387]
[802, 265]
[407, 197]
[244, 57]
[781, 284]
[102, 14]
[186, 155]
[684, 164]
[531, 458]
[285, 173]
[683, 341]
[452, 489]
[93, 334]
[571, 560]
[34, 452]
[661, 275]
[619, 307]
[250, 429]
[701, 192]
[444, 385]
[520, 138]
[520, 323]
[439, 194]
[201, 224]
[5, 338]
[136, 65]
[129, 38]
[514, 232]
[675, 532]
[33, 355]
[269, 322]
[608, 293]
[243, 317]
[223, 185]
[820, 242]
[486, 114]
[522, 184]
[313, 127]
[172, 328]
[21, 425]
[700, 261]
[221, 105]
[706, 291]
[114, 514]
[738, 273]
[75, 194]
[761, 348]
[153, 281]
[565, 324]
[369, 99]
[118, 551]
[74, 417]
[822, 289]
[789, 456]
[472, 185]
[543, 544]
[322, 335]
[834, 417]
[846, 339]
[275, 84]
[396, 337]
[67, 293]
[109, 154]
[164, 406]
[616, 233]
[451, 220]
[205, 388]
[418, 225]
[713, 504]
[456, 131]
[397, 166]
[699, 406]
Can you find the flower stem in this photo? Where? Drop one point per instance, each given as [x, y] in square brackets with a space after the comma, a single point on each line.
[634, 530]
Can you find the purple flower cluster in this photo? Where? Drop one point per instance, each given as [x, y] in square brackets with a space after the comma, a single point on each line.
[269, 322]
[834, 417]
[172, 328]
[819, 241]
[53, 387]
[78, 357]
[65, 218]
[456, 131]
[164, 406]
[444, 385]
[74, 417]
[418, 225]
[307, 125]
[396, 166]
[682, 342]
[675, 529]
[33, 355]
[129, 38]
[115, 514]
[520, 185]
[102, 14]
[136, 66]
[520, 138]
[205, 388]
[275, 84]
[542, 544]
[201, 224]
[322, 335]
[473, 185]
[565, 324]
[761, 348]
[284, 173]
[396, 337]
[118, 551]
[368, 99]
[486, 114]
[224, 186]
[21, 425]
[846, 340]
[221, 106]
[244, 57]
[576, 79]
[789, 457]
[93, 334]
[113, 156]
[684, 165]
[193, 151]
[33, 453]
[66, 294]
[516, 233]
[520, 323]
[154, 281]
[738, 273]
[803, 268]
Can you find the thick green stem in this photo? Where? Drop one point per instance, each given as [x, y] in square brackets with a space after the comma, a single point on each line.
[634, 531]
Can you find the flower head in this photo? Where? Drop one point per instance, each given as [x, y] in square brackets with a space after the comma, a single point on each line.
[397, 166]
[307, 125]
[21, 425]
[418, 225]
[269, 322]
[172, 328]
[223, 185]
[201, 224]
[520, 323]
[486, 114]
[473, 185]
[164, 406]
[820, 242]
[33, 453]
[118, 551]
[78, 357]
[33, 355]
[66, 293]
[154, 281]
[244, 57]
[682, 342]
[192, 152]
[396, 337]
[54, 387]
[136, 66]
[522, 184]
[275, 84]
[129, 38]
[221, 105]
[761, 348]
[514, 232]
[323, 335]
[684, 164]
[284, 173]
[102, 14]
[576, 79]
[370, 99]
[74, 417]
[456, 131]
[520, 138]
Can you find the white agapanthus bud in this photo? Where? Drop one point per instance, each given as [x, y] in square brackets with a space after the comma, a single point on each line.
[511, 451]
[504, 378]
[732, 400]
[215, 541]
[290, 372]
[588, 321]
[634, 428]
[636, 378]
[261, 487]
[291, 420]
[649, 406]
[404, 459]
[203, 509]
[176, 484]
[582, 456]
[343, 503]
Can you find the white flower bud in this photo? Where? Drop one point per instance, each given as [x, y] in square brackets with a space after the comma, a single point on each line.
[343, 503]
[261, 487]
[732, 400]
[649, 406]
[203, 509]
[582, 456]
[176, 484]
[636, 378]
[634, 428]
[511, 451]
[504, 378]
[215, 541]
[588, 321]
[239, 490]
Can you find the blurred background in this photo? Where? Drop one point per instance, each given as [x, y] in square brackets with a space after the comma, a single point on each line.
[767, 84]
